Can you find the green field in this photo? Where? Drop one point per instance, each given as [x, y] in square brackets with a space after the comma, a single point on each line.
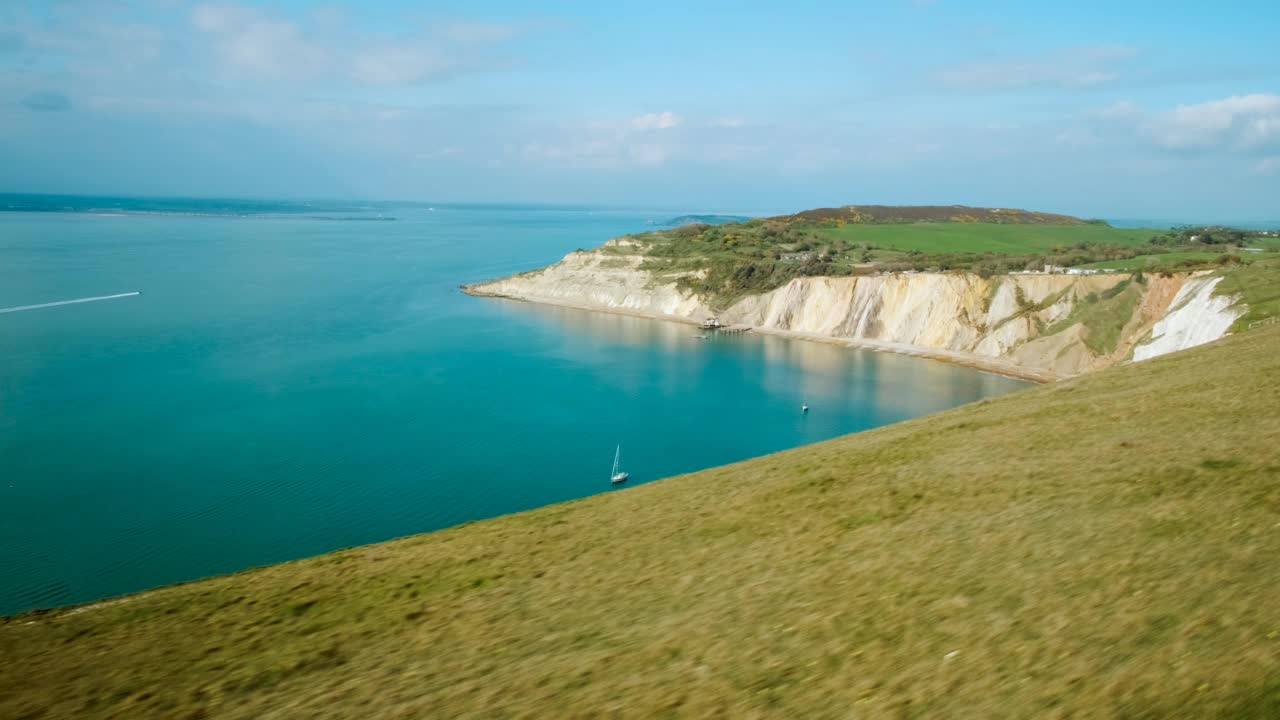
[1107, 546]
[738, 259]
[1153, 261]
[982, 237]
[724, 263]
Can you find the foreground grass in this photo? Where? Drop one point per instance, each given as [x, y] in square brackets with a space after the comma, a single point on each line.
[1107, 546]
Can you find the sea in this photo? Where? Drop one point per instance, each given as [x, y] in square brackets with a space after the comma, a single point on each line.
[253, 381]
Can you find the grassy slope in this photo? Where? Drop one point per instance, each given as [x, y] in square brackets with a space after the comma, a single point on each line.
[1258, 284]
[983, 237]
[1103, 315]
[1107, 546]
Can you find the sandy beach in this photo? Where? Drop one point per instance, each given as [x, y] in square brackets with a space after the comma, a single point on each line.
[970, 360]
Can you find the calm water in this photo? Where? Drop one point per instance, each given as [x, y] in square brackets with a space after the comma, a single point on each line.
[298, 381]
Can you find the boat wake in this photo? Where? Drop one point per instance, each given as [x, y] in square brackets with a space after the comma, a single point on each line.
[20, 308]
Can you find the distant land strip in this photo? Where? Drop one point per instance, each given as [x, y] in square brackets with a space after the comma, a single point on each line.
[20, 308]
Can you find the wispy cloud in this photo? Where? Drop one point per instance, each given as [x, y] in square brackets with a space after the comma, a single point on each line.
[1077, 137]
[1119, 110]
[405, 64]
[263, 46]
[1267, 166]
[656, 121]
[1075, 68]
[1239, 122]
[641, 141]
[1243, 130]
[249, 40]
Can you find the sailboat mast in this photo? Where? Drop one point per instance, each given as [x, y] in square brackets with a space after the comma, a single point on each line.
[616, 455]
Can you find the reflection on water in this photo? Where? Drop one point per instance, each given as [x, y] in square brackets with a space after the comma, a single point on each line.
[605, 327]
[849, 389]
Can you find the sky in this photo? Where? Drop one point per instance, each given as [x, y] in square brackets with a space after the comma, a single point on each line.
[1103, 109]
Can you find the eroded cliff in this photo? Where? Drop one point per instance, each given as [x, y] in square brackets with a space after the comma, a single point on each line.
[1058, 324]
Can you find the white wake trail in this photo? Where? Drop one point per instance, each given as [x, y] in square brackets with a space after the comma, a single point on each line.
[20, 308]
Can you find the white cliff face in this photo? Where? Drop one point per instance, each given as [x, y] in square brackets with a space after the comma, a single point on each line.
[945, 311]
[604, 280]
[1001, 318]
[1196, 316]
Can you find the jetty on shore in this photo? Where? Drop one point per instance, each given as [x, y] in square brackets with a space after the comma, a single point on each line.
[716, 325]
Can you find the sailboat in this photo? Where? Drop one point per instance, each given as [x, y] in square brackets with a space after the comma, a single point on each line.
[618, 476]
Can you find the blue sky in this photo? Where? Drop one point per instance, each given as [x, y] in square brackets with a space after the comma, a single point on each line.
[1136, 109]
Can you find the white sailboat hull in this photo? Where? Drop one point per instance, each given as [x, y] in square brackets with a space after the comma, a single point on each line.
[617, 476]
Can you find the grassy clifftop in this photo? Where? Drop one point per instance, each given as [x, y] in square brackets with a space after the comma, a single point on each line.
[1101, 547]
[723, 263]
[872, 214]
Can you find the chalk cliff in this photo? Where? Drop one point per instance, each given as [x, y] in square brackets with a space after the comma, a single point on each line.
[1195, 316]
[1042, 322]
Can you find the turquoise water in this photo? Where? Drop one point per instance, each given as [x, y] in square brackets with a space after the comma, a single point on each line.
[292, 381]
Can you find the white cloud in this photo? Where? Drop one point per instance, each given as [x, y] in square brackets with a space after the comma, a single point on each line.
[648, 140]
[657, 121]
[649, 154]
[591, 153]
[255, 43]
[1076, 137]
[1119, 110]
[597, 153]
[219, 18]
[262, 46]
[1239, 122]
[1076, 68]
[398, 65]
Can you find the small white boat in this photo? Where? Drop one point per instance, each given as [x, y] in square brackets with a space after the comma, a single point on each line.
[804, 407]
[618, 476]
